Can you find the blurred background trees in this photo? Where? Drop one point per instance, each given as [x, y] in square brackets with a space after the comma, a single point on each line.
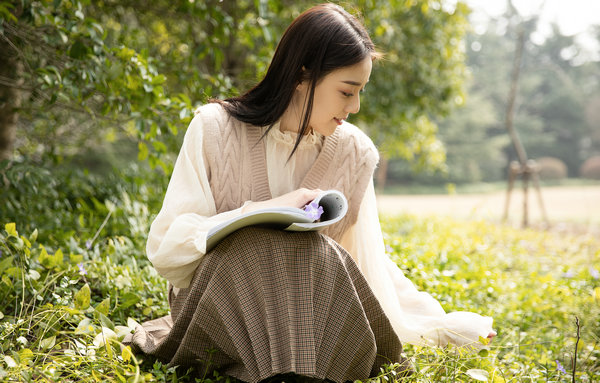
[111, 75]
[556, 114]
[96, 81]
[97, 84]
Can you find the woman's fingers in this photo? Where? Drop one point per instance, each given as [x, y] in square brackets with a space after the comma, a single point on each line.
[304, 196]
[297, 198]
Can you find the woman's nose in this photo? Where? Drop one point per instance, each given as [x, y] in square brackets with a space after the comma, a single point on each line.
[354, 105]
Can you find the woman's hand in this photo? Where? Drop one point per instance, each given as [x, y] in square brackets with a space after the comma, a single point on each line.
[297, 198]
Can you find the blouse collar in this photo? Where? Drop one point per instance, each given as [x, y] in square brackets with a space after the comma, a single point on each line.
[289, 138]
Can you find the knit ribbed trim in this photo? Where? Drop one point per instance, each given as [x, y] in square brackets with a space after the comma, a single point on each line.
[258, 161]
[316, 174]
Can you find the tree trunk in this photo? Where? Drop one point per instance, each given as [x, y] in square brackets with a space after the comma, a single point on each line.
[510, 105]
[10, 98]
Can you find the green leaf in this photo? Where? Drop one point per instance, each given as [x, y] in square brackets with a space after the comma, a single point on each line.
[72, 311]
[129, 299]
[126, 353]
[104, 306]
[103, 336]
[63, 37]
[44, 259]
[17, 242]
[5, 13]
[6, 280]
[159, 146]
[478, 374]
[10, 362]
[132, 324]
[6, 263]
[26, 242]
[11, 229]
[14, 272]
[75, 258]
[110, 206]
[82, 298]
[26, 356]
[85, 327]
[58, 258]
[143, 151]
[104, 320]
[33, 236]
[48, 343]
[33, 275]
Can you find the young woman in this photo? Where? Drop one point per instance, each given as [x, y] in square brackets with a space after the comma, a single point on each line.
[266, 302]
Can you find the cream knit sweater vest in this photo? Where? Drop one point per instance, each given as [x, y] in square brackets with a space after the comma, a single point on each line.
[237, 170]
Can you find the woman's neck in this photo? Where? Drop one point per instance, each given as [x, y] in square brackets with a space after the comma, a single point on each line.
[291, 119]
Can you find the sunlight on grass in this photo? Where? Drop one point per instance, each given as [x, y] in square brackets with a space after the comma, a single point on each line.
[533, 283]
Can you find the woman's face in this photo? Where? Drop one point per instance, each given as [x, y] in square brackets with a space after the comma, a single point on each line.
[337, 95]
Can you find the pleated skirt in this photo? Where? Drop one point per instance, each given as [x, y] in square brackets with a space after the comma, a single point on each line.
[266, 302]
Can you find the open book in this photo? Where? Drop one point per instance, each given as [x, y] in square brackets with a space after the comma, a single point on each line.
[334, 206]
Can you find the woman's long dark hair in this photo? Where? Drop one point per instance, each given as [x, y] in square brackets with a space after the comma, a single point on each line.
[320, 40]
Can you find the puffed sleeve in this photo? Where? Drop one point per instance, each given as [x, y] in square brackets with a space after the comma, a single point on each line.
[177, 237]
[416, 316]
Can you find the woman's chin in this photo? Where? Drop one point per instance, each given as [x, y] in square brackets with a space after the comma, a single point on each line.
[326, 130]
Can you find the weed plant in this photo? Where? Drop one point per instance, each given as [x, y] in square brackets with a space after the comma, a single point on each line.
[75, 280]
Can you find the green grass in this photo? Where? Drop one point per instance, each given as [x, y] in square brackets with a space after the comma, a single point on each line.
[533, 283]
[73, 272]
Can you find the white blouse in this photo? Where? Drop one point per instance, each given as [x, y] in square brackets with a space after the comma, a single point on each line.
[177, 239]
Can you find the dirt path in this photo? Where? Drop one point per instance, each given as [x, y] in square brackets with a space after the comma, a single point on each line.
[565, 205]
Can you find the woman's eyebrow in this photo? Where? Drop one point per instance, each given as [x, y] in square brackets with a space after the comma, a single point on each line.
[349, 82]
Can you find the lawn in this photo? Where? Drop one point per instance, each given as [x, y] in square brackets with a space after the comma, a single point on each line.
[535, 284]
[75, 280]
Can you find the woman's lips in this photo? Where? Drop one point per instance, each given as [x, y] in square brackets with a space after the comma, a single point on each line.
[339, 122]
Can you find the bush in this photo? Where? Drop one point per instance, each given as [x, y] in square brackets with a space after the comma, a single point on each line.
[591, 168]
[551, 168]
[63, 202]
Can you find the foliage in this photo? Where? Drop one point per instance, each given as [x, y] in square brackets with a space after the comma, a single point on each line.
[591, 168]
[69, 292]
[66, 302]
[556, 105]
[419, 79]
[66, 204]
[100, 71]
[478, 158]
[551, 168]
[533, 283]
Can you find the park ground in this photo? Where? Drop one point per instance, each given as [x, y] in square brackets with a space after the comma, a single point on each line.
[572, 208]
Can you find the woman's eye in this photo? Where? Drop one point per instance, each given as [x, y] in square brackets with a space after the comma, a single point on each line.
[346, 94]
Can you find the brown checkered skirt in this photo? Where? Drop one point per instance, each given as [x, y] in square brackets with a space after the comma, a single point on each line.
[267, 302]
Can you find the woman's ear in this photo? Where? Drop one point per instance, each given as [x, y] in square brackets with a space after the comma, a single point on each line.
[304, 79]
[302, 85]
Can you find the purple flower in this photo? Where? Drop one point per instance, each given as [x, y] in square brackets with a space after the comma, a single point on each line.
[313, 211]
[389, 249]
[88, 244]
[559, 367]
[594, 273]
[568, 274]
[82, 269]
